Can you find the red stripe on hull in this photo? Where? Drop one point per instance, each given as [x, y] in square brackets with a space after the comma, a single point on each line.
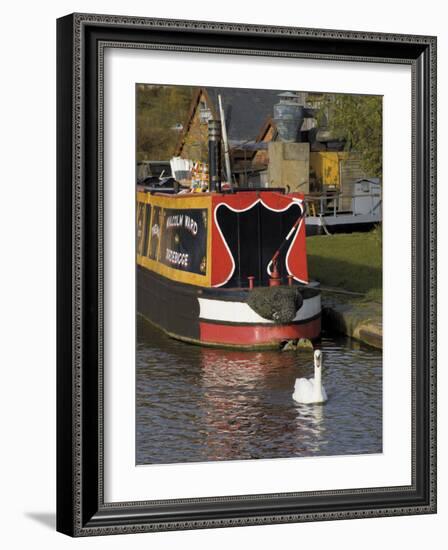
[257, 335]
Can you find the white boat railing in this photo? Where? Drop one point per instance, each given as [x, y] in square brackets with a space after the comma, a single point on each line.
[330, 204]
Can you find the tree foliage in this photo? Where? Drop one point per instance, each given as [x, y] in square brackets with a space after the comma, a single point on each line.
[159, 109]
[357, 119]
[196, 142]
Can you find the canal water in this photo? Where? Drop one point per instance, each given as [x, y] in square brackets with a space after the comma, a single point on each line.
[197, 404]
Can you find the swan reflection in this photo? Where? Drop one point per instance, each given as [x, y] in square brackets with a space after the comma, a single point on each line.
[197, 404]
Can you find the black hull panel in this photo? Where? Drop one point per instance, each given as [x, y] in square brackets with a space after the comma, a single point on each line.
[172, 306]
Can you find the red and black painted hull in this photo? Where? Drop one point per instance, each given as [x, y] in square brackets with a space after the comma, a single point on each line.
[220, 317]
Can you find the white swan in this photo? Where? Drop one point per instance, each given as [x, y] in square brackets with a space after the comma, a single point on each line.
[311, 391]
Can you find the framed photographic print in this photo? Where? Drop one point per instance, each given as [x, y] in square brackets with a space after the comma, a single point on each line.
[246, 274]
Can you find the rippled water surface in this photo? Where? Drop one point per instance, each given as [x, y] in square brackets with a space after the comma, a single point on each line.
[196, 404]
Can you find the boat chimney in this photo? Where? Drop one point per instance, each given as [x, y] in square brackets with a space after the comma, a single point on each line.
[288, 116]
[214, 155]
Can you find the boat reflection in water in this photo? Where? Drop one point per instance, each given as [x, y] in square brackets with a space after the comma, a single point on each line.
[246, 413]
[197, 404]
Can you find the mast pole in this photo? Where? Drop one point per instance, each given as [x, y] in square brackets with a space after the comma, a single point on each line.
[225, 141]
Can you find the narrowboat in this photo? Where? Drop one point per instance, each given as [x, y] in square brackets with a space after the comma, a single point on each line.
[226, 268]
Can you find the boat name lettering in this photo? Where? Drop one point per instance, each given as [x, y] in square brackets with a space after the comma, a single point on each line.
[175, 221]
[191, 225]
[179, 220]
[176, 258]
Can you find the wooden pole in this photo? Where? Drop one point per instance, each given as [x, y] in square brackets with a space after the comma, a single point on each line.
[225, 141]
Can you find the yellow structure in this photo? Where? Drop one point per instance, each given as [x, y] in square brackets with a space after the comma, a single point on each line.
[325, 165]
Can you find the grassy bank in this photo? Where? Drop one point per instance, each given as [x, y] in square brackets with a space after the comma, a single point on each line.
[347, 261]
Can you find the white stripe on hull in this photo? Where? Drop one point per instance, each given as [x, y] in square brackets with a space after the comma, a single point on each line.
[240, 312]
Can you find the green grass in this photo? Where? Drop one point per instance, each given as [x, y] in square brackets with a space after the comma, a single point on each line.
[347, 261]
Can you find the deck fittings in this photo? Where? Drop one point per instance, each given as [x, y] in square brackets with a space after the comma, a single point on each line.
[275, 278]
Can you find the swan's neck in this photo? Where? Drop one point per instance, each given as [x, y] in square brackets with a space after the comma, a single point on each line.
[318, 375]
[318, 394]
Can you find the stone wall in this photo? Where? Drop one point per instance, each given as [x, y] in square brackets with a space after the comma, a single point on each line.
[289, 166]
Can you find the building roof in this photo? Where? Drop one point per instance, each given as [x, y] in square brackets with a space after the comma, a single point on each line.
[245, 110]
[248, 113]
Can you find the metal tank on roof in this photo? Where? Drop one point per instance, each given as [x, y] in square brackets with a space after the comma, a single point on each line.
[289, 114]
